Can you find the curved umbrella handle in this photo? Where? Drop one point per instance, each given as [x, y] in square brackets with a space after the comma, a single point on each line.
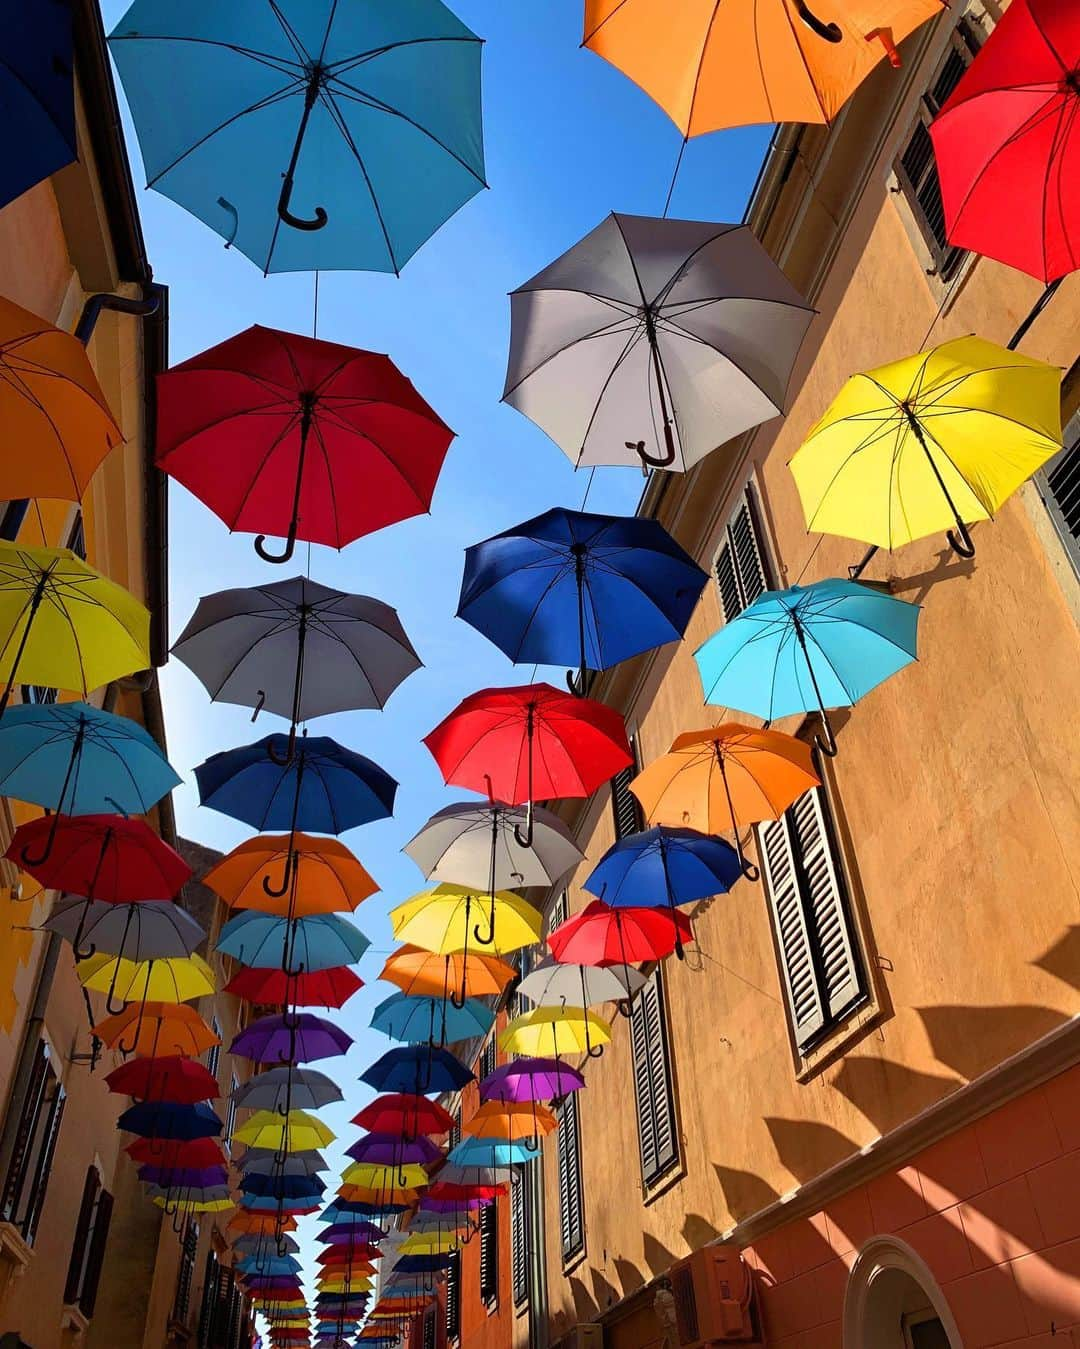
[625, 1007]
[286, 879]
[297, 222]
[46, 852]
[749, 870]
[290, 750]
[488, 939]
[654, 461]
[525, 839]
[830, 32]
[825, 740]
[961, 541]
[285, 554]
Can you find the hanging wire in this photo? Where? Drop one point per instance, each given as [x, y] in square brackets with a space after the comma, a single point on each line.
[315, 315]
[675, 176]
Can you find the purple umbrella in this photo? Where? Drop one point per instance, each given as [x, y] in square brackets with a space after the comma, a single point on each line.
[393, 1150]
[293, 1038]
[183, 1177]
[453, 1205]
[527, 1079]
[360, 1231]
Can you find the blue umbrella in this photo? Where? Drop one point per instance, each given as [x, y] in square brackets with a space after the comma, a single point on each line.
[808, 648]
[74, 759]
[37, 93]
[318, 942]
[418, 1020]
[269, 1264]
[572, 588]
[324, 789]
[423, 1264]
[417, 1069]
[370, 110]
[162, 1119]
[490, 1152]
[283, 1187]
[664, 865]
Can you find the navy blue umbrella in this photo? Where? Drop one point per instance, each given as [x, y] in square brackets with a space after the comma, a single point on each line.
[160, 1119]
[283, 1187]
[572, 588]
[37, 93]
[419, 1069]
[324, 789]
[423, 1264]
[664, 865]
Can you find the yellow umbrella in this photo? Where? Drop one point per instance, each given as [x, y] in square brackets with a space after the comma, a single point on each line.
[452, 918]
[929, 443]
[430, 1243]
[171, 979]
[337, 1283]
[554, 1030]
[296, 1132]
[63, 625]
[373, 1176]
[194, 1205]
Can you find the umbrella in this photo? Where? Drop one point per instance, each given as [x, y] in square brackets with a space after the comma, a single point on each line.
[259, 1163]
[297, 437]
[253, 1224]
[160, 1028]
[166, 980]
[747, 61]
[161, 1119]
[406, 1115]
[297, 1131]
[57, 424]
[677, 332]
[212, 1201]
[326, 788]
[308, 1090]
[491, 1152]
[351, 1227]
[75, 759]
[384, 1197]
[390, 1148]
[417, 1069]
[929, 443]
[729, 775]
[184, 1177]
[554, 1030]
[371, 112]
[139, 932]
[567, 588]
[602, 935]
[276, 1264]
[361, 1252]
[63, 624]
[281, 1186]
[170, 1078]
[475, 843]
[511, 1121]
[174, 1152]
[253, 1244]
[296, 1038]
[325, 988]
[297, 648]
[423, 973]
[1006, 143]
[806, 649]
[318, 875]
[441, 920]
[420, 1020]
[664, 865]
[581, 985]
[99, 856]
[321, 942]
[372, 1175]
[517, 744]
[37, 96]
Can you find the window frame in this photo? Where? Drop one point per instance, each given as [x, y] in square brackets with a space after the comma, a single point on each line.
[747, 499]
[570, 1168]
[621, 794]
[453, 1298]
[40, 1119]
[654, 1180]
[185, 1273]
[488, 1059]
[488, 1236]
[1069, 452]
[88, 1244]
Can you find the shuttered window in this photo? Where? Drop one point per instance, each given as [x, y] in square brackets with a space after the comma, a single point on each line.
[453, 1297]
[1059, 486]
[487, 1058]
[489, 1253]
[455, 1131]
[820, 963]
[740, 570]
[186, 1274]
[88, 1249]
[208, 1307]
[230, 1113]
[519, 1235]
[35, 1145]
[213, 1054]
[653, 1085]
[560, 911]
[429, 1328]
[624, 804]
[571, 1207]
[916, 168]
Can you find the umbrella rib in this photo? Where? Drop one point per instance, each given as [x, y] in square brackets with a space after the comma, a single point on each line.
[385, 454]
[1066, 116]
[320, 441]
[289, 426]
[635, 336]
[12, 377]
[291, 36]
[605, 330]
[328, 100]
[278, 63]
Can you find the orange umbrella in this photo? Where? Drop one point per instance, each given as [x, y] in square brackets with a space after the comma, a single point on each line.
[383, 1194]
[57, 424]
[156, 1029]
[730, 775]
[720, 63]
[291, 875]
[245, 1223]
[518, 1120]
[421, 973]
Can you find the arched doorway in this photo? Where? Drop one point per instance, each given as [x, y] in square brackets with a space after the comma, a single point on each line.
[893, 1301]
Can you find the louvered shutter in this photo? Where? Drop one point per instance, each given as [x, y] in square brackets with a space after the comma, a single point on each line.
[560, 911]
[487, 1058]
[571, 1216]
[489, 1252]
[95, 1257]
[20, 1156]
[740, 561]
[455, 1129]
[453, 1297]
[1059, 486]
[429, 1328]
[519, 1237]
[624, 804]
[209, 1300]
[653, 1086]
[55, 1101]
[74, 1283]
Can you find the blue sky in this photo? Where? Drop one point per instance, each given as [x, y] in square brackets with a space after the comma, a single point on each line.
[568, 139]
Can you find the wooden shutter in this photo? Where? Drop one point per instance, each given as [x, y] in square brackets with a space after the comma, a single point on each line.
[453, 1297]
[740, 560]
[571, 1215]
[209, 1300]
[188, 1247]
[213, 1054]
[487, 1058]
[1059, 485]
[455, 1130]
[560, 911]
[653, 1085]
[624, 804]
[35, 1142]
[91, 1186]
[489, 1252]
[49, 1122]
[519, 1237]
[95, 1256]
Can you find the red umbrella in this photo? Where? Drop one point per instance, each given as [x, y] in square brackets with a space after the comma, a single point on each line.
[447, 1191]
[322, 988]
[601, 935]
[531, 741]
[105, 857]
[296, 437]
[1007, 143]
[172, 1078]
[195, 1152]
[399, 1112]
[362, 1251]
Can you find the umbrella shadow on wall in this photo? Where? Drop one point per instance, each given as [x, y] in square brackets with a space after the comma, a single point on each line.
[888, 1093]
[1062, 960]
[916, 588]
[971, 1039]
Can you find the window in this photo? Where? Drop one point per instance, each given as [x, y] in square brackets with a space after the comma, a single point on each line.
[820, 964]
[653, 1086]
[624, 804]
[209, 1300]
[230, 1112]
[489, 1253]
[1059, 487]
[571, 1213]
[76, 539]
[189, 1244]
[35, 1143]
[12, 514]
[923, 1330]
[487, 1058]
[739, 565]
[453, 1297]
[429, 1328]
[560, 911]
[237, 1314]
[520, 1180]
[88, 1249]
[455, 1131]
[522, 1004]
[213, 1054]
[915, 166]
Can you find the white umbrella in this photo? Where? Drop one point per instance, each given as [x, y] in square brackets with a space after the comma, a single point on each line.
[579, 985]
[474, 843]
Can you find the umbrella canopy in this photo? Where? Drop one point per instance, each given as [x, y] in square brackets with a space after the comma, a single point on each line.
[212, 1201]
[169, 1078]
[99, 856]
[602, 935]
[390, 1148]
[295, 1132]
[184, 1178]
[1006, 143]
[491, 1152]
[808, 648]
[510, 1121]
[160, 980]
[280, 1186]
[253, 1224]
[579, 985]
[654, 341]
[447, 919]
[151, 1029]
[257, 1163]
[63, 624]
[325, 788]
[929, 444]
[418, 1070]
[75, 759]
[475, 843]
[553, 1030]
[360, 1252]
[305, 1088]
[386, 1197]
[297, 89]
[418, 1020]
[747, 61]
[374, 1175]
[37, 95]
[531, 1079]
[358, 1228]
[325, 988]
[404, 1114]
[139, 932]
[568, 588]
[288, 435]
[424, 974]
[320, 942]
[162, 1119]
[295, 1038]
[291, 874]
[254, 1244]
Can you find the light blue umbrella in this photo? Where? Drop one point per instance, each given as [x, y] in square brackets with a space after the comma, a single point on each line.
[808, 648]
[318, 942]
[416, 1020]
[269, 1264]
[491, 1152]
[310, 134]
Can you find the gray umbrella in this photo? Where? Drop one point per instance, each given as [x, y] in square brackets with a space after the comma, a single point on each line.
[677, 334]
[297, 648]
[258, 1243]
[151, 930]
[268, 1163]
[307, 1090]
[456, 845]
[579, 985]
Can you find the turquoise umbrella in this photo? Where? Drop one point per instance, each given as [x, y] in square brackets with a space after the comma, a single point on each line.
[318, 942]
[490, 1152]
[311, 134]
[808, 648]
[417, 1019]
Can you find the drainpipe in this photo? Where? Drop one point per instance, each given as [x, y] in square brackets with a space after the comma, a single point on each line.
[538, 1308]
